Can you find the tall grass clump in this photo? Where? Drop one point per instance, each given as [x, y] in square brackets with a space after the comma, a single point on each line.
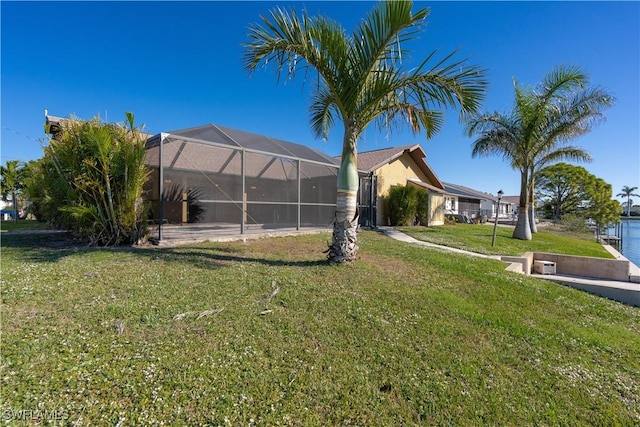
[90, 181]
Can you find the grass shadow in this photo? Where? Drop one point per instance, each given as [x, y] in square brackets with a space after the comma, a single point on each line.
[52, 246]
[40, 246]
[210, 255]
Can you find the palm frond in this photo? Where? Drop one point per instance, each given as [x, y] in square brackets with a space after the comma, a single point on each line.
[322, 106]
[576, 154]
[361, 79]
[380, 38]
[561, 81]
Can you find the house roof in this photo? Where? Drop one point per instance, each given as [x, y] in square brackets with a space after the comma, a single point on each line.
[425, 185]
[219, 135]
[511, 199]
[218, 149]
[469, 193]
[212, 134]
[370, 161]
[214, 148]
[52, 123]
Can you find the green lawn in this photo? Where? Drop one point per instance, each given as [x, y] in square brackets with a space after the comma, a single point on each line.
[266, 333]
[477, 238]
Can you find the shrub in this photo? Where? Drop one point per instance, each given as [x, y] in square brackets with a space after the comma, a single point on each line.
[574, 223]
[422, 208]
[407, 205]
[91, 179]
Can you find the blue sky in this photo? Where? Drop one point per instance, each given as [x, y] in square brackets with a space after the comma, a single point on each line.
[178, 65]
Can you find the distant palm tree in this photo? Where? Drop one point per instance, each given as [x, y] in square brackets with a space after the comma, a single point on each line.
[360, 81]
[533, 134]
[628, 192]
[11, 183]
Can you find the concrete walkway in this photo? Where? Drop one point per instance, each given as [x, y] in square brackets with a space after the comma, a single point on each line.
[408, 239]
[626, 292]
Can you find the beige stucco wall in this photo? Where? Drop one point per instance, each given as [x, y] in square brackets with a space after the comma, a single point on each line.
[436, 209]
[397, 173]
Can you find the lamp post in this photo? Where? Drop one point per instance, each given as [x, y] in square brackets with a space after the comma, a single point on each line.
[495, 224]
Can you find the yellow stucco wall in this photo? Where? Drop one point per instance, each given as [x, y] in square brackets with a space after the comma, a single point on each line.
[397, 173]
[436, 209]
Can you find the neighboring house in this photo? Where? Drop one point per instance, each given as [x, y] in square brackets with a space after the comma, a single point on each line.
[470, 203]
[511, 205]
[635, 209]
[404, 165]
[6, 210]
[459, 200]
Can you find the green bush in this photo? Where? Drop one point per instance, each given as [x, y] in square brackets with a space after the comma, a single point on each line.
[574, 223]
[406, 205]
[90, 181]
[422, 208]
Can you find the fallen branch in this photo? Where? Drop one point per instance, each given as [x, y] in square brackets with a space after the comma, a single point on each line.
[209, 312]
[199, 314]
[274, 293]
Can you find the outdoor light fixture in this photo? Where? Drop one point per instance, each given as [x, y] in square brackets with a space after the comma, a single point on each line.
[495, 224]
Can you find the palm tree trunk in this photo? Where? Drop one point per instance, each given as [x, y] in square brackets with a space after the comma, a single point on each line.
[523, 228]
[344, 246]
[15, 206]
[532, 209]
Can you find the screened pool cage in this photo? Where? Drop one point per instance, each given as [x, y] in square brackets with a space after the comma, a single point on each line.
[229, 181]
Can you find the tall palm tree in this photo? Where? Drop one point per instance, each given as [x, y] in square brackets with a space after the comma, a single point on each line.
[360, 81]
[11, 183]
[628, 192]
[536, 131]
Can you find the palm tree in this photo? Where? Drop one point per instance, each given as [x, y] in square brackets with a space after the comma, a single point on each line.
[628, 192]
[360, 81]
[536, 131]
[11, 183]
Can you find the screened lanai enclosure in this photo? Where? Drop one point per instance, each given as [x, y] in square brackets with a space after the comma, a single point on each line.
[216, 178]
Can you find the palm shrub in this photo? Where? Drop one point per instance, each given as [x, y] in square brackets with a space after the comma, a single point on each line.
[177, 193]
[92, 181]
[35, 189]
[48, 191]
